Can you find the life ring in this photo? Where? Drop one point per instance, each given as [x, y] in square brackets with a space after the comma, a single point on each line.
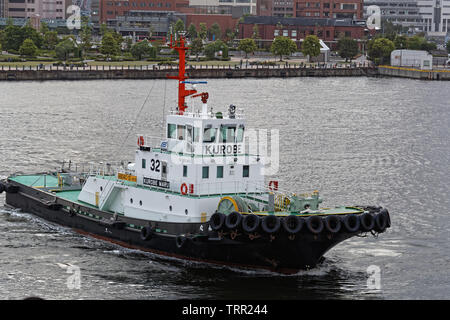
[184, 189]
[140, 141]
[250, 223]
[233, 220]
[273, 185]
[216, 221]
[314, 224]
[292, 224]
[270, 224]
[333, 224]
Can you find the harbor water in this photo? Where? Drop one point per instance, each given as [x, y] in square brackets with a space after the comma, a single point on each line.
[359, 141]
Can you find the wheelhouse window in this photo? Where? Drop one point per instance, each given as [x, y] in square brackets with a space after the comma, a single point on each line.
[196, 137]
[219, 172]
[227, 133]
[185, 168]
[205, 172]
[181, 132]
[240, 134]
[143, 163]
[209, 134]
[246, 171]
[171, 131]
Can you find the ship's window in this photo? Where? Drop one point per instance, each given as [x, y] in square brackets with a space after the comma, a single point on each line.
[184, 171]
[196, 134]
[240, 134]
[143, 163]
[219, 172]
[140, 202]
[181, 132]
[171, 131]
[227, 133]
[205, 172]
[186, 211]
[246, 171]
[131, 200]
[209, 134]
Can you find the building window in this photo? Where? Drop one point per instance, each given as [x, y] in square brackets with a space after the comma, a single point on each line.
[205, 172]
[285, 33]
[294, 33]
[143, 163]
[246, 171]
[185, 171]
[276, 33]
[219, 172]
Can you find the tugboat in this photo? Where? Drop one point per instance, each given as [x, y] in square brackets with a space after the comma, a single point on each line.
[195, 195]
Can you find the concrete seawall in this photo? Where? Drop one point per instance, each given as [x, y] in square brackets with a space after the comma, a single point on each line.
[195, 73]
[405, 72]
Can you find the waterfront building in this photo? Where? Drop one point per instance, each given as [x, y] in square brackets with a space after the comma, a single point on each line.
[335, 9]
[283, 8]
[328, 30]
[429, 16]
[41, 9]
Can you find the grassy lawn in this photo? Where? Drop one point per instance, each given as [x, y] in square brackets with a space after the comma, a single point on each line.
[121, 63]
[24, 64]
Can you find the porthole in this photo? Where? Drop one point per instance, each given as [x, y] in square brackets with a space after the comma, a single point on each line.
[140, 202]
[131, 200]
[186, 211]
[101, 188]
[170, 208]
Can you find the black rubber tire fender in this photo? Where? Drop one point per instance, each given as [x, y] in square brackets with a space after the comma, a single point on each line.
[180, 241]
[381, 221]
[314, 224]
[271, 224]
[367, 221]
[251, 223]
[216, 221]
[333, 224]
[351, 222]
[292, 224]
[233, 220]
[146, 233]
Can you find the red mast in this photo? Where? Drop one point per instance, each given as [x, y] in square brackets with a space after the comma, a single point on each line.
[182, 92]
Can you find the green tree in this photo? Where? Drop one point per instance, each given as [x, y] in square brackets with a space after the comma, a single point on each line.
[379, 50]
[143, 49]
[192, 31]
[202, 31]
[109, 45]
[44, 28]
[14, 36]
[86, 34]
[311, 46]
[347, 48]
[65, 49]
[247, 45]
[50, 40]
[28, 48]
[103, 29]
[178, 27]
[212, 48]
[196, 47]
[283, 46]
[214, 32]
[401, 42]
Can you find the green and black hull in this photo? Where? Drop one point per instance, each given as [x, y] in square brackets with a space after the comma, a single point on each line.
[281, 251]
